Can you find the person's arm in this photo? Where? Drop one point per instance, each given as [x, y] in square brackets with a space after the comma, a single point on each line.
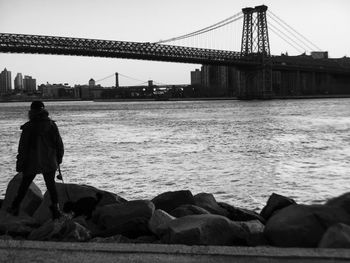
[22, 150]
[59, 145]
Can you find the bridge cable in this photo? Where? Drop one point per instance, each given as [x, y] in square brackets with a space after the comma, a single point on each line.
[204, 30]
[285, 36]
[319, 49]
[278, 34]
[306, 46]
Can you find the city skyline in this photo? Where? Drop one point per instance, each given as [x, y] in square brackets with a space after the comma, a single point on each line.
[138, 21]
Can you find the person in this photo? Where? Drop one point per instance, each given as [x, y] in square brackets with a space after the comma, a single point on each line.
[40, 150]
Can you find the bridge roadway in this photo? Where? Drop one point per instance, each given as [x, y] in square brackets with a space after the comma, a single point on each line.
[53, 45]
[35, 44]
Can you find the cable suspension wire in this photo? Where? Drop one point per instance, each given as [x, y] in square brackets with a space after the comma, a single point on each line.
[319, 49]
[306, 46]
[104, 78]
[219, 24]
[278, 34]
[286, 36]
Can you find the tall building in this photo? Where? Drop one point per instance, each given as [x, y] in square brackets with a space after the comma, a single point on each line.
[29, 84]
[19, 82]
[92, 83]
[5, 81]
[196, 77]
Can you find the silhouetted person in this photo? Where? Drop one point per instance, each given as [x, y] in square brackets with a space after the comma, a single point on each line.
[40, 150]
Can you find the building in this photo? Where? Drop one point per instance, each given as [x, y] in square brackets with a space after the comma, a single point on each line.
[5, 82]
[92, 83]
[19, 86]
[29, 84]
[196, 77]
[57, 91]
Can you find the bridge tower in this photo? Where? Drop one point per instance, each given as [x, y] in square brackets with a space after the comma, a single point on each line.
[257, 82]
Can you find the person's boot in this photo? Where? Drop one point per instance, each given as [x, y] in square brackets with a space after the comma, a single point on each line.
[56, 212]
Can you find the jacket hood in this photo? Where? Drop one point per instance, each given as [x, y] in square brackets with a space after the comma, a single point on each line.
[38, 115]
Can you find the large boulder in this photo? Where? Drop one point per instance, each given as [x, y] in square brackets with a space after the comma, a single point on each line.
[61, 230]
[31, 201]
[203, 230]
[342, 201]
[187, 210]
[275, 203]
[336, 236]
[255, 230]
[73, 192]
[16, 225]
[129, 219]
[208, 202]
[240, 214]
[302, 225]
[168, 201]
[159, 219]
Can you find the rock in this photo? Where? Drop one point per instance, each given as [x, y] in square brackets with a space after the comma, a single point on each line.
[336, 236]
[16, 225]
[302, 225]
[61, 230]
[159, 219]
[129, 219]
[275, 203]
[168, 201]
[255, 230]
[203, 230]
[240, 214]
[208, 202]
[342, 201]
[73, 192]
[187, 210]
[31, 201]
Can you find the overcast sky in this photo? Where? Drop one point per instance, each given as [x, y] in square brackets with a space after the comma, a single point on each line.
[324, 22]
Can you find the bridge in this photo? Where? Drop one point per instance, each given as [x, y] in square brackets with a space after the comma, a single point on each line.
[254, 63]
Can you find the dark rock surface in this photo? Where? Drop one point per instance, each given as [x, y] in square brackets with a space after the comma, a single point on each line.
[342, 201]
[208, 202]
[129, 219]
[240, 214]
[168, 201]
[158, 220]
[16, 225]
[31, 201]
[187, 210]
[60, 230]
[73, 192]
[203, 230]
[274, 203]
[302, 225]
[336, 236]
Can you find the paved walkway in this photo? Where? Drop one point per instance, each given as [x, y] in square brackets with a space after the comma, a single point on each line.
[30, 251]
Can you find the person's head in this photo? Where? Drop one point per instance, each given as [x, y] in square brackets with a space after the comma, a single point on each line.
[37, 110]
[37, 105]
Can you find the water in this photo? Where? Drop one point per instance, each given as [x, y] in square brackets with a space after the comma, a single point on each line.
[241, 151]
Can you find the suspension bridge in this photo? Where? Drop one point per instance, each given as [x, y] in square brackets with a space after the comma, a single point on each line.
[254, 60]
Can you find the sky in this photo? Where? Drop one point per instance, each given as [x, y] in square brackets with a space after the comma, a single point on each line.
[324, 22]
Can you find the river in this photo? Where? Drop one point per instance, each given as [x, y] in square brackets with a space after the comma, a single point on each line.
[241, 151]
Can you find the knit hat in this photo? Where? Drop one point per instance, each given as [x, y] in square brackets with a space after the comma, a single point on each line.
[37, 105]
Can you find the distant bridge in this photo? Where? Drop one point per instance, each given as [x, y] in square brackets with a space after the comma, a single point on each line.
[254, 61]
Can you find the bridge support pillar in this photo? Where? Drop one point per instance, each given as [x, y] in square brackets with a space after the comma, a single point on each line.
[256, 83]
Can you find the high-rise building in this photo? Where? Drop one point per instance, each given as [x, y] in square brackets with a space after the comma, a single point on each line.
[19, 82]
[5, 81]
[92, 83]
[29, 84]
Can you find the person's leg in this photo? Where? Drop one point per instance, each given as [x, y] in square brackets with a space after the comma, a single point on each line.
[49, 178]
[27, 179]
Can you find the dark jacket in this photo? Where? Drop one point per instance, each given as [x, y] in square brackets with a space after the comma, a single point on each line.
[40, 147]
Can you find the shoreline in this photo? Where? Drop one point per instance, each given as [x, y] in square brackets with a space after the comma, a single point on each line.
[343, 96]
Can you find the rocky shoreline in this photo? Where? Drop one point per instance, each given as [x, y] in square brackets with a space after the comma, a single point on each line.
[177, 217]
